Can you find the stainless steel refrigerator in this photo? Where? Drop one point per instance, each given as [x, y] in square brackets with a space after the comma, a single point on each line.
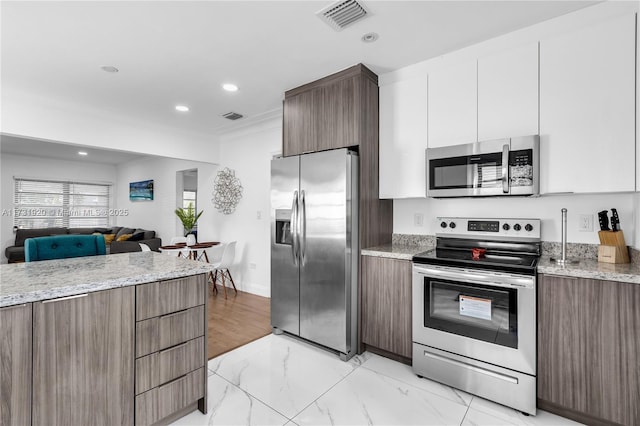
[314, 248]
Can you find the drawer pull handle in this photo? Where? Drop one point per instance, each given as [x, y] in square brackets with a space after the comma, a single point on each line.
[174, 347]
[16, 306]
[66, 298]
[174, 313]
[473, 368]
[172, 381]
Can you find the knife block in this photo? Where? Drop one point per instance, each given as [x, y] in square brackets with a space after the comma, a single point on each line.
[613, 248]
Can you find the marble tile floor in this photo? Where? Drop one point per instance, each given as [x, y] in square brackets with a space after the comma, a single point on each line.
[278, 380]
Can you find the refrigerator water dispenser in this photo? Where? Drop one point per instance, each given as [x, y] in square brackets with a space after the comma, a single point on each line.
[283, 227]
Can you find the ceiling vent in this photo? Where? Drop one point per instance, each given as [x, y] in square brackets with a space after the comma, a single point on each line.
[341, 14]
[232, 115]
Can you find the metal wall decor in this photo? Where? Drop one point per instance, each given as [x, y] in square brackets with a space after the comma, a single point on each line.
[227, 191]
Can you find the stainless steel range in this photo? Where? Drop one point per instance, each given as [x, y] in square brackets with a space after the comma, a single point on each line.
[474, 309]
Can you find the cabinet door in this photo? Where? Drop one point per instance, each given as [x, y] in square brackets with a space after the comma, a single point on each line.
[83, 359]
[589, 346]
[300, 131]
[453, 107]
[15, 365]
[386, 304]
[337, 115]
[508, 93]
[587, 101]
[403, 138]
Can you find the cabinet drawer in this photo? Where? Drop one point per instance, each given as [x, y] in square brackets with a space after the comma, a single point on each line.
[165, 400]
[164, 297]
[159, 333]
[161, 367]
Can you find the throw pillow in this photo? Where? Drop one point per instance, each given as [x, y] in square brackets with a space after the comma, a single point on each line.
[108, 238]
[137, 236]
[124, 237]
[123, 231]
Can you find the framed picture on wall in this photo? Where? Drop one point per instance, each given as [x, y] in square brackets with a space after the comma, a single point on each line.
[141, 191]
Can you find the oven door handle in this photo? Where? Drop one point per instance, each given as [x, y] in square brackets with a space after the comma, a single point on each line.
[477, 277]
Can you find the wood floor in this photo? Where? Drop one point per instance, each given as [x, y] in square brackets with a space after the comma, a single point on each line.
[235, 321]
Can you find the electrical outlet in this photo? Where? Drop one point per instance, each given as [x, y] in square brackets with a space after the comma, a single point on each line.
[585, 223]
[418, 219]
[252, 266]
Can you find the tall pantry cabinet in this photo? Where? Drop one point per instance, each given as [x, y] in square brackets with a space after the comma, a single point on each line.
[340, 111]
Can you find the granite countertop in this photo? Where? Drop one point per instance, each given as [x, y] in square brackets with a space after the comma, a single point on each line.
[591, 268]
[50, 279]
[395, 251]
[586, 268]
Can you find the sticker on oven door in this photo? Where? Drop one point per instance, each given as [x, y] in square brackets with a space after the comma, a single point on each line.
[475, 307]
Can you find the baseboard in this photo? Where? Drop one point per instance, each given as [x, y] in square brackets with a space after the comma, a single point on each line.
[253, 288]
[572, 414]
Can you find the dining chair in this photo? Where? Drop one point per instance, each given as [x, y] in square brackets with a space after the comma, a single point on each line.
[63, 246]
[221, 272]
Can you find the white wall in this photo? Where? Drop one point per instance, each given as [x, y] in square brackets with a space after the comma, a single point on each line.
[546, 208]
[45, 168]
[249, 152]
[158, 215]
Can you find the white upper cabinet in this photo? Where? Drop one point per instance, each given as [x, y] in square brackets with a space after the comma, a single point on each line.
[403, 138]
[453, 107]
[587, 108]
[508, 93]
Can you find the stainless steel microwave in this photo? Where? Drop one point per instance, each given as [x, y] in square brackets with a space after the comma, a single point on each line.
[484, 169]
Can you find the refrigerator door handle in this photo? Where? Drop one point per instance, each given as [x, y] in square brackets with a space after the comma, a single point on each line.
[294, 228]
[303, 228]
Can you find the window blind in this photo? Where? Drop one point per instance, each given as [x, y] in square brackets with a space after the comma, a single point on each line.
[50, 203]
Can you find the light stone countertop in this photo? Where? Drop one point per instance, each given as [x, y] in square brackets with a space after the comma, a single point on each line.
[50, 279]
[395, 251]
[591, 268]
[586, 268]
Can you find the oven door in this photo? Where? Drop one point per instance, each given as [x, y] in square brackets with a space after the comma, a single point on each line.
[479, 169]
[485, 315]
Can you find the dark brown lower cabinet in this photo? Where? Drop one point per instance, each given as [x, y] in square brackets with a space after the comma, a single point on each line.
[386, 304]
[589, 349]
[83, 359]
[15, 365]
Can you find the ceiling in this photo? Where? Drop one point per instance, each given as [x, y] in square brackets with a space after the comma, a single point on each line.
[47, 149]
[180, 52]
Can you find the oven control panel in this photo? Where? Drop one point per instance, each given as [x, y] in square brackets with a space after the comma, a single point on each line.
[463, 227]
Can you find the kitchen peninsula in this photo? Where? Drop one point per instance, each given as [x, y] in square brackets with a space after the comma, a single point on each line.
[118, 339]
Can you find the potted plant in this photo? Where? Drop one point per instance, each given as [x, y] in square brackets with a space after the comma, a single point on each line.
[188, 218]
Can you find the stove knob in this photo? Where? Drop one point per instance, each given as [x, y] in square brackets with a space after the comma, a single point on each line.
[517, 227]
[506, 227]
[528, 227]
[452, 225]
[443, 224]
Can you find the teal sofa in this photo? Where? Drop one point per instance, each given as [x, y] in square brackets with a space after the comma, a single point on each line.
[63, 246]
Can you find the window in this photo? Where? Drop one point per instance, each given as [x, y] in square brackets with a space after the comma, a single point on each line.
[188, 197]
[49, 203]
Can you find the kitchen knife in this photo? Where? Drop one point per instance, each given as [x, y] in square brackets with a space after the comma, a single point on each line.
[615, 221]
[604, 220]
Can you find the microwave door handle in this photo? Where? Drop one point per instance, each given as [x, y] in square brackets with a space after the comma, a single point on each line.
[505, 168]
[475, 176]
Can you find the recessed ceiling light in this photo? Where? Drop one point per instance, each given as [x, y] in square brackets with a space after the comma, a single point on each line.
[370, 37]
[109, 68]
[82, 153]
[182, 108]
[230, 87]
